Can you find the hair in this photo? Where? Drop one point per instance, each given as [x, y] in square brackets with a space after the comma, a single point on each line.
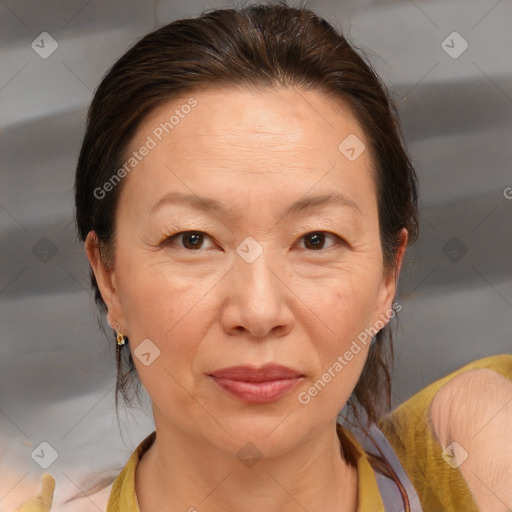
[263, 46]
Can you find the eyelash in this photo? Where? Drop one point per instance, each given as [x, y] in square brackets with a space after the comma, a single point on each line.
[167, 240]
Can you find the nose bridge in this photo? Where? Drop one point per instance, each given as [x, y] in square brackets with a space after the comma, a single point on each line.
[259, 296]
[256, 266]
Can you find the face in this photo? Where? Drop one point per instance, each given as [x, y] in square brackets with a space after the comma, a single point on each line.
[254, 268]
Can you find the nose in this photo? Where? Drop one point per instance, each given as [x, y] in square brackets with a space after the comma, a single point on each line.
[258, 299]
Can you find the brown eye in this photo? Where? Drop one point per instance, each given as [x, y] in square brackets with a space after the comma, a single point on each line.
[191, 240]
[316, 241]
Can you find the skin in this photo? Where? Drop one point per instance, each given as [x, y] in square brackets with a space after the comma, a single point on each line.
[474, 409]
[256, 152]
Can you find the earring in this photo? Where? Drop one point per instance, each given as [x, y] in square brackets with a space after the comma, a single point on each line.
[121, 340]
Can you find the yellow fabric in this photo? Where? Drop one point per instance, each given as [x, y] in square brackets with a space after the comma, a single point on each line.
[43, 501]
[122, 496]
[408, 430]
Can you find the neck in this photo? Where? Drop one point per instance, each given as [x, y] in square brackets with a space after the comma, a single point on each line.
[182, 472]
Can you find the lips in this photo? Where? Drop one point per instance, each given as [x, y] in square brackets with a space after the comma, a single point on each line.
[268, 372]
[257, 385]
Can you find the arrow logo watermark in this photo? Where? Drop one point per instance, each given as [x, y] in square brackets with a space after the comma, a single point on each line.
[44, 45]
[147, 352]
[351, 147]
[44, 455]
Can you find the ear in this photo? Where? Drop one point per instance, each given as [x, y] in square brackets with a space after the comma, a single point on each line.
[388, 289]
[105, 277]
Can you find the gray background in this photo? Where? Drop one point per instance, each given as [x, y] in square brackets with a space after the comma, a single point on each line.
[57, 370]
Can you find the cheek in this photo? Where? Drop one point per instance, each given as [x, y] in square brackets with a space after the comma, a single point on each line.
[162, 311]
[345, 305]
[155, 301]
[170, 309]
[344, 310]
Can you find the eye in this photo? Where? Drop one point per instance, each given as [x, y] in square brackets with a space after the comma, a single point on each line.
[192, 240]
[316, 240]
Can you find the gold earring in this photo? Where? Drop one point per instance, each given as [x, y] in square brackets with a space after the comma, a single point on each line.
[121, 340]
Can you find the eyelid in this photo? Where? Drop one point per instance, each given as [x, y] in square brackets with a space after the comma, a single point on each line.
[167, 232]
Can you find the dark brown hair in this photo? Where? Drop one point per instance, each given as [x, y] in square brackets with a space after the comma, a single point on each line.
[262, 46]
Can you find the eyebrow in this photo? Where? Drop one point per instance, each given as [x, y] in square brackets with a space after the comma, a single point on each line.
[306, 203]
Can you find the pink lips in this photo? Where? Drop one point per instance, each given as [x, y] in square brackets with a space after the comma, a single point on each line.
[257, 385]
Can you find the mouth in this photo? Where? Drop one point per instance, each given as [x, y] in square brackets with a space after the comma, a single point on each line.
[257, 385]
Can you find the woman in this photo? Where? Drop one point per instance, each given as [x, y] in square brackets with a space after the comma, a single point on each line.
[245, 200]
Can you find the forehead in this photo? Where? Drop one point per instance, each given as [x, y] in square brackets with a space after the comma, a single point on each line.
[251, 118]
[281, 139]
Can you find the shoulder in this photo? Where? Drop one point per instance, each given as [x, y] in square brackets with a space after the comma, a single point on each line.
[471, 416]
[472, 398]
[422, 429]
[478, 386]
[434, 397]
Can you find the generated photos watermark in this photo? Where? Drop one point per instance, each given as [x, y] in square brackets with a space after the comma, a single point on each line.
[363, 338]
[157, 135]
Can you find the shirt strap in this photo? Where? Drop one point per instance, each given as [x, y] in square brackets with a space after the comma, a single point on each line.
[388, 488]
